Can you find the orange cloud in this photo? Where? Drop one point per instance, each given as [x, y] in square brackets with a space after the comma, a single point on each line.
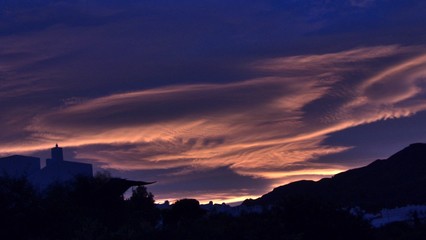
[257, 127]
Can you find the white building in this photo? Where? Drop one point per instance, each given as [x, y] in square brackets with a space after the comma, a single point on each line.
[56, 169]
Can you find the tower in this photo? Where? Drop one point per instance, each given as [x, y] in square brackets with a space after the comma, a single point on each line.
[57, 154]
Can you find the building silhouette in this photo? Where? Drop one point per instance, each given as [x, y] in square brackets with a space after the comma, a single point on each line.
[57, 153]
[56, 169]
[19, 166]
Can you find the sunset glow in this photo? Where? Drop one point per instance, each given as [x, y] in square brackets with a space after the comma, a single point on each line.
[206, 111]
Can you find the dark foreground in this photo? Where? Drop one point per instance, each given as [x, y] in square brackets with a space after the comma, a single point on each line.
[84, 210]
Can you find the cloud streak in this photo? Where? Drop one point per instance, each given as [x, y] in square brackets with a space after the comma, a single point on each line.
[247, 91]
[256, 127]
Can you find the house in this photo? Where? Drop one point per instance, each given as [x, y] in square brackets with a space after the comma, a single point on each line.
[56, 169]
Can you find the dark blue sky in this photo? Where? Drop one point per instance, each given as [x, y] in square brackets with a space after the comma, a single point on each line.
[217, 100]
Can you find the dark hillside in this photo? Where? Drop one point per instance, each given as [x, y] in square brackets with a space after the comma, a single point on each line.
[396, 181]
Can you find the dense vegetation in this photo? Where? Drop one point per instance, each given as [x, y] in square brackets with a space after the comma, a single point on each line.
[82, 210]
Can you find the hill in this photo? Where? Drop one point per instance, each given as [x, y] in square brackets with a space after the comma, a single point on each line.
[396, 181]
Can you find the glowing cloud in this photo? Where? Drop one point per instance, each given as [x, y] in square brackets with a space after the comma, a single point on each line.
[258, 128]
[249, 125]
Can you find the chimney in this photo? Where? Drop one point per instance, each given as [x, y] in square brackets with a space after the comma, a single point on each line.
[57, 154]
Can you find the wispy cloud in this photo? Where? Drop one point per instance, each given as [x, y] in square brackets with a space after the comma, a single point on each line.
[254, 89]
[257, 127]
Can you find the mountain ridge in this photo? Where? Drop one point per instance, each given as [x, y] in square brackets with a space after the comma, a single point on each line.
[396, 181]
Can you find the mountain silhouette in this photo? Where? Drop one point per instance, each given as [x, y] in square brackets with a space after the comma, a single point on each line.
[397, 181]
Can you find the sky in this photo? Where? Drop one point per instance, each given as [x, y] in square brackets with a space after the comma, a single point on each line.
[213, 99]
